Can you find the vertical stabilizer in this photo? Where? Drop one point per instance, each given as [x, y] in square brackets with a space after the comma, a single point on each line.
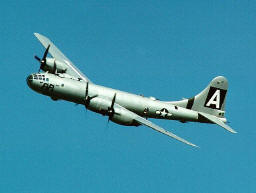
[211, 100]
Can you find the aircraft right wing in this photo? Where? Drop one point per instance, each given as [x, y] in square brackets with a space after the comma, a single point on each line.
[148, 123]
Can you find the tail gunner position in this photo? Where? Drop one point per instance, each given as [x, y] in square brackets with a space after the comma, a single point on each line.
[63, 81]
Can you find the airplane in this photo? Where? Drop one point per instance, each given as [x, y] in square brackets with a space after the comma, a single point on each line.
[62, 80]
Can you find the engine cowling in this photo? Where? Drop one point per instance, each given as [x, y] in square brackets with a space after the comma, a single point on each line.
[123, 119]
[99, 105]
[120, 116]
[52, 65]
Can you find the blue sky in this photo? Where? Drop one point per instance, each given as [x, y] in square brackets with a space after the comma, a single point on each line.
[167, 49]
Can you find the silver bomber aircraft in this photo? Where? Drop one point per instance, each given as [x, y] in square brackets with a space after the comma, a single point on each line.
[61, 80]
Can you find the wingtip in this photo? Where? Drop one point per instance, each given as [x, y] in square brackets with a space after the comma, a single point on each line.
[231, 130]
[38, 35]
[188, 143]
[193, 145]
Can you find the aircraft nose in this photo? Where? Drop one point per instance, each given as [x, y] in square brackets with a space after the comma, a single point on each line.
[29, 80]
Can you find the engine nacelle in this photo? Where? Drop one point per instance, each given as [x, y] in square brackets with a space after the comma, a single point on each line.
[53, 65]
[99, 105]
[120, 116]
[124, 119]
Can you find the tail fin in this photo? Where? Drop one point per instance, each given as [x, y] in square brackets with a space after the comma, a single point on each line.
[211, 100]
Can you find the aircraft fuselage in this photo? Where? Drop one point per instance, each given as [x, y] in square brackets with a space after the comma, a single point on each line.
[75, 90]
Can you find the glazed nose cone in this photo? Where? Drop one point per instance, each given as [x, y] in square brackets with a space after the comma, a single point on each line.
[29, 80]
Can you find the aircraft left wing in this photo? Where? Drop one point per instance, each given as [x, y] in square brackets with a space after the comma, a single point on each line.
[148, 123]
[72, 70]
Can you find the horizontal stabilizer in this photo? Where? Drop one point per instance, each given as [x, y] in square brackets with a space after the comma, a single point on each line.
[217, 121]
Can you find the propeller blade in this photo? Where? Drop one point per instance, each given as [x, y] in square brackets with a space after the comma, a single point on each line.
[87, 99]
[94, 96]
[113, 102]
[111, 110]
[37, 58]
[86, 90]
[46, 52]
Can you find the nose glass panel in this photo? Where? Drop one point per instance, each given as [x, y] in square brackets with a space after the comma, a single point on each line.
[29, 79]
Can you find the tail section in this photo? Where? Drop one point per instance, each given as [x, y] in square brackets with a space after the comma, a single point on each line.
[211, 100]
[210, 103]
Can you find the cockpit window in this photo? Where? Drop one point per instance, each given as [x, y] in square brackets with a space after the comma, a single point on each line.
[40, 77]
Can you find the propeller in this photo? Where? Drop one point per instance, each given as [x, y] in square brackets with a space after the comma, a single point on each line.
[43, 60]
[87, 97]
[111, 110]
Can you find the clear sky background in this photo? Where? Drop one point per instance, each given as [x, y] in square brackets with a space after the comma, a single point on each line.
[166, 49]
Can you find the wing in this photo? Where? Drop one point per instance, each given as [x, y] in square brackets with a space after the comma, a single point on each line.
[161, 130]
[148, 123]
[217, 121]
[58, 55]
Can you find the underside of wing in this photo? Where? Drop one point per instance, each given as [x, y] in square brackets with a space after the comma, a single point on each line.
[161, 130]
[148, 123]
[72, 70]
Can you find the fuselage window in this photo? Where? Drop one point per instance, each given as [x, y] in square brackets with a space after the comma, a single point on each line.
[40, 78]
[47, 79]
